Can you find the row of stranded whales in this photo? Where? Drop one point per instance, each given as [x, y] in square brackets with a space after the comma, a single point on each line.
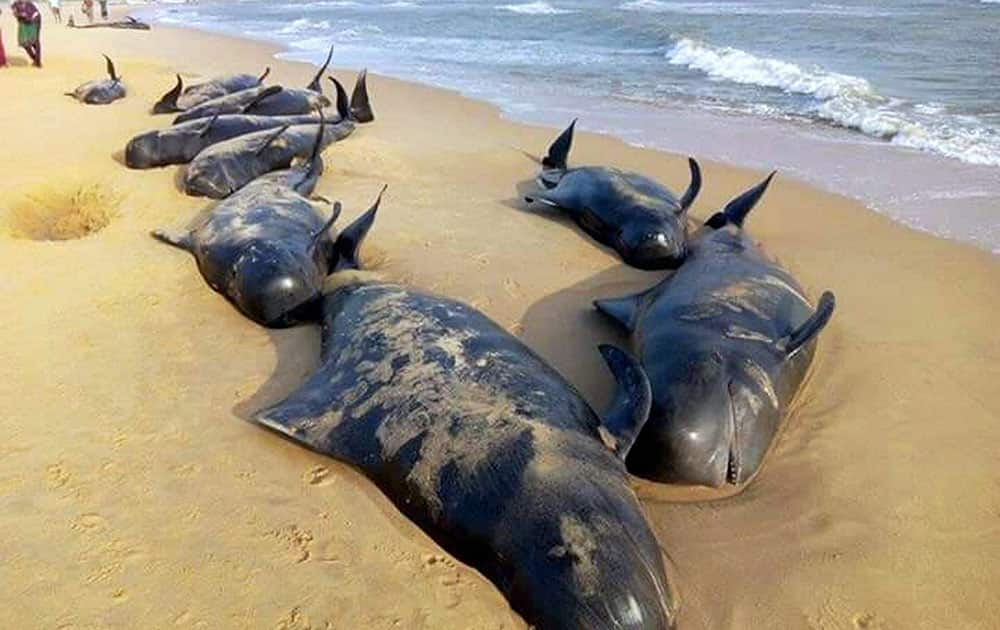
[101, 91]
[181, 98]
[180, 143]
[266, 248]
[223, 168]
[726, 341]
[489, 450]
[265, 101]
[637, 217]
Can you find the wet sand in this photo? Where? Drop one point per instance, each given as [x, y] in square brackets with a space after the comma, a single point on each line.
[134, 493]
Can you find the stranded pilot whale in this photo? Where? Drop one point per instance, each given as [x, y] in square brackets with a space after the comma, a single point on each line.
[101, 91]
[179, 144]
[489, 450]
[181, 98]
[281, 102]
[223, 168]
[267, 250]
[634, 215]
[726, 342]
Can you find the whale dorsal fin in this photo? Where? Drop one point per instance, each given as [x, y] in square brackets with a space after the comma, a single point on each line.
[737, 210]
[361, 107]
[110, 65]
[315, 85]
[623, 310]
[629, 408]
[267, 71]
[694, 187]
[168, 102]
[559, 149]
[270, 90]
[270, 139]
[348, 244]
[811, 327]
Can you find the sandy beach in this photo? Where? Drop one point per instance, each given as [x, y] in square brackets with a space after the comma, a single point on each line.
[135, 493]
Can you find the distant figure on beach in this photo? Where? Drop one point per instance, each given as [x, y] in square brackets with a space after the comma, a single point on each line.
[88, 9]
[56, 7]
[29, 27]
[104, 9]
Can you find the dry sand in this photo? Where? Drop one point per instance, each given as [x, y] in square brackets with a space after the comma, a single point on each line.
[133, 493]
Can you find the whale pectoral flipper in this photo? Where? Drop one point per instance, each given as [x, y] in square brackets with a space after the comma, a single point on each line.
[738, 208]
[271, 90]
[694, 187]
[559, 149]
[305, 416]
[629, 408]
[811, 327]
[208, 126]
[622, 310]
[181, 240]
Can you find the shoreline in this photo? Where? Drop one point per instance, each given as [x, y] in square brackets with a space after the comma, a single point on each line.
[136, 493]
[922, 190]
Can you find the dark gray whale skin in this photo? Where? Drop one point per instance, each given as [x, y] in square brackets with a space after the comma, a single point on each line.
[235, 103]
[101, 91]
[726, 341]
[489, 450]
[181, 98]
[267, 250]
[637, 217]
[179, 144]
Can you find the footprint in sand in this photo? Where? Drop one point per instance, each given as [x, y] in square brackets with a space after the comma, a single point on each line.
[56, 475]
[317, 476]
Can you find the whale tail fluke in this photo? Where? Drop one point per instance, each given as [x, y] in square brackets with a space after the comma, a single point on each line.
[812, 326]
[629, 408]
[694, 187]
[559, 149]
[736, 211]
[361, 107]
[168, 102]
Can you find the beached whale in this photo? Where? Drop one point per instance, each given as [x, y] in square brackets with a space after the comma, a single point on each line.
[101, 91]
[268, 250]
[179, 144]
[181, 98]
[726, 342]
[223, 168]
[489, 450]
[637, 217]
[287, 101]
[127, 23]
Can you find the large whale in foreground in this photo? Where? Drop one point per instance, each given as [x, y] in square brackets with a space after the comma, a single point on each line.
[179, 144]
[489, 450]
[726, 341]
[637, 217]
[268, 250]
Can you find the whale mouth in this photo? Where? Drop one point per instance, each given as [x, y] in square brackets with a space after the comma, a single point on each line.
[733, 466]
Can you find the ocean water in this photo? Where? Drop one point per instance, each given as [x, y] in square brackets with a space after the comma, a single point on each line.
[895, 102]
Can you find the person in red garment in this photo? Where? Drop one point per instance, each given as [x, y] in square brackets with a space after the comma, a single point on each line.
[29, 27]
[3, 55]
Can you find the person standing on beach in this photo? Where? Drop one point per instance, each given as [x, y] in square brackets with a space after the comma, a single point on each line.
[29, 27]
[56, 7]
[3, 55]
[88, 9]
[104, 9]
